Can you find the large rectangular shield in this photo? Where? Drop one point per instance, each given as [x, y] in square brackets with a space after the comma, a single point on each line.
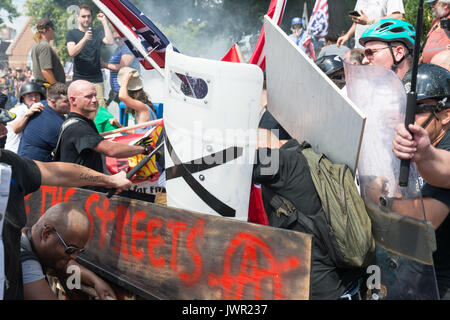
[307, 103]
[160, 252]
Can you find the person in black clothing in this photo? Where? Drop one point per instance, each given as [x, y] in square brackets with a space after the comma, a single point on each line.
[26, 176]
[429, 149]
[281, 169]
[81, 143]
[83, 44]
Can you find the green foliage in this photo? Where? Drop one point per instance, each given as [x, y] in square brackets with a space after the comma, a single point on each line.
[195, 26]
[10, 8]
[63, 15]
[58, 14]
[411, 8]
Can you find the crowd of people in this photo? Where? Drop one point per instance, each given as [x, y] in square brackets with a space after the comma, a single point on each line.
[50, 137]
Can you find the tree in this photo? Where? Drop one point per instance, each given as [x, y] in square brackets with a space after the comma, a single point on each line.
[58, 15]
[10, 9]
[63, 15]
[411, 8]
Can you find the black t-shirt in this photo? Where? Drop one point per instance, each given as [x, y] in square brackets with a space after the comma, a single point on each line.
[87, 63]
[441, 256]
[25, 179]
[287, 174]
[77, 143]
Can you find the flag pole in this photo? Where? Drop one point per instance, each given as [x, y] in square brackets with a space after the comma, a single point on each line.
[239, 53]
[129, 35]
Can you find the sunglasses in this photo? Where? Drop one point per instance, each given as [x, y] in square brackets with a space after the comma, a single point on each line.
[70, 250]
[433, 108]
[371, 52]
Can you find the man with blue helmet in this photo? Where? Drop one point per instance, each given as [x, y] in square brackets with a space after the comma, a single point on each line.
[389, 43]
[299, 35]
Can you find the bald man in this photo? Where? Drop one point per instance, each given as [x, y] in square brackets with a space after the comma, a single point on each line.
[53, 243]
[81, 143]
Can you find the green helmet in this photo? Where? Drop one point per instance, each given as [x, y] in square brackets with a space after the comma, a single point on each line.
[390, 30]
[433, 82]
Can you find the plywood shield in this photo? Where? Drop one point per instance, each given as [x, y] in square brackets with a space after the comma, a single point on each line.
[166, 253]
[308, 104]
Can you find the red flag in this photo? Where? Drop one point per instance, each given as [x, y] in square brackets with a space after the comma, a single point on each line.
[276, 11]
[308, 44]
[145, 32]
[232, 55]
[256, 212]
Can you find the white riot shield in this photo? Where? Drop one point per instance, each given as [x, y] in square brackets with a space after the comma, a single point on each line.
[210, 119]
[307, 103]
[405, 240]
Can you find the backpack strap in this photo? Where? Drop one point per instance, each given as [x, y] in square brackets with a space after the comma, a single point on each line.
[285, 215]
[64, 126]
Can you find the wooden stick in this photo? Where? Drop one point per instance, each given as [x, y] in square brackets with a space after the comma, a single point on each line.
[239, 52]
[137, 126]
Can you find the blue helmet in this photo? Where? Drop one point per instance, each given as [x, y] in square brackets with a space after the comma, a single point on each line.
[296, 20]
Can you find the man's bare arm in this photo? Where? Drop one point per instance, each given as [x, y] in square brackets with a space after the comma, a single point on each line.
[117, 150]
[433, 164]
[73, 175]
[75, 48]
[48, 75]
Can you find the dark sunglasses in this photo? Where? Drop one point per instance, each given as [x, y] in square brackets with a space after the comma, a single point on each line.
[370, 52]
[70, 250]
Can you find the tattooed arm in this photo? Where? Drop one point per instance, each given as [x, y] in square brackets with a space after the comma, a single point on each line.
[73, 175]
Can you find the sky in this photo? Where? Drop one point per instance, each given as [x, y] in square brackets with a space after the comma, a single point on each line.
[17, 23]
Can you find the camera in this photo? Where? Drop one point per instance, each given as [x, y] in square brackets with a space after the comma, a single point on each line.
[444, 24]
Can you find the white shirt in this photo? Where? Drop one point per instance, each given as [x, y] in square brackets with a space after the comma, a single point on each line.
[13, 139]
[5, 179]
[375, 9]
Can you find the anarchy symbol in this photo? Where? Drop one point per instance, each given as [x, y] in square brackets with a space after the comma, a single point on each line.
[250, 273]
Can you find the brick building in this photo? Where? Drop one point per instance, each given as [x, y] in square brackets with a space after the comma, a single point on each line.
[18, 51]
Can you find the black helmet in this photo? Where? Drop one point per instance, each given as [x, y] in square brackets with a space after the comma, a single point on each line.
[29, 87]
[330, 64]
[433, 82]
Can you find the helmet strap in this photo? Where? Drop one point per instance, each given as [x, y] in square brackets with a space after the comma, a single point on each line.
[430, 117]
[396, 63]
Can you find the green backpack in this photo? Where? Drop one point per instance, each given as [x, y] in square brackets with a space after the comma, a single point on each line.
[350, 228]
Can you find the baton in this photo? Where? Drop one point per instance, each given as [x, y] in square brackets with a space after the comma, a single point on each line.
[138, 167]
[412, 95]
